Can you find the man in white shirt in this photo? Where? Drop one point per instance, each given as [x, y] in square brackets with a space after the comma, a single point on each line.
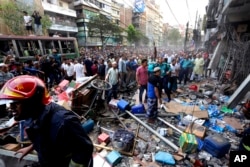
[79, 70]
[112, 78]
[69, 70]
[28, 23]
[122, 70]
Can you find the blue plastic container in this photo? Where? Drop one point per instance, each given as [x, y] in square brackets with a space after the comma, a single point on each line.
[216, 145]
[88, 125]
[138, 109]
[113, 158]
[123, 105]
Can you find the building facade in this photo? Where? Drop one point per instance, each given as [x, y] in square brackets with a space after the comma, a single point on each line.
[150, 23]
[227, 37]
[63, 17]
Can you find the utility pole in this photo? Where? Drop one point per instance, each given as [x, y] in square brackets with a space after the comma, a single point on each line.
[195, 23]
[186, 38]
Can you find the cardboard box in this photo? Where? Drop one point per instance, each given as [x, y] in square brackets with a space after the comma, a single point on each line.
[11, 147]
[196, 129]
[64, 84]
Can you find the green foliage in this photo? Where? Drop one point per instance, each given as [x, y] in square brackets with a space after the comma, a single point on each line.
[12, 17]
[135, 36]
[131, 34]
[102, 27]
[174, 36]
[46, 23]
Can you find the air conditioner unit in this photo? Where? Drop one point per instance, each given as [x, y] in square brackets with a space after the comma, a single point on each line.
[242, 28]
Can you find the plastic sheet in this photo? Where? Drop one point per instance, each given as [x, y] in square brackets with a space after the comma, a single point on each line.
[213, 110]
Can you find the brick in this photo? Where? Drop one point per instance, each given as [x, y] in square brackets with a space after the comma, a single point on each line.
[103, 138]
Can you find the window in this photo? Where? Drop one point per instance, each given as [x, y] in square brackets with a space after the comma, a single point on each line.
[117, 21]
[101, 5]
[80, 24]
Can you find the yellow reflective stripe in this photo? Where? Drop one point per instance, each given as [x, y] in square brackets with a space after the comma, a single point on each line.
[74, 164]
[246, 147]
[8, 92]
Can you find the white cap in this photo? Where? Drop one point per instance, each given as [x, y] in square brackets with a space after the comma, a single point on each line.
[2, 64]
[5, 101]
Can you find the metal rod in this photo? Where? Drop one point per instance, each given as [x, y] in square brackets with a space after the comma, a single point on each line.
[170, 125]
[120, 120]
[153, 131]
[111, 149]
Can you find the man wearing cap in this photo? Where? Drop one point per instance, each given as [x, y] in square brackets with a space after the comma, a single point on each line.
[112, 78]
[154, 94]
[18, 70]
[5, 75]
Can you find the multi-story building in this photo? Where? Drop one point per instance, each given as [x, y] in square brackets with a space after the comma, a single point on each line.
[31, 4]
[115, 12]
[150, 22]
[126, 14]
[60, 12]
[88, 8]
[84, 11]
[62, 16]
[228, 37]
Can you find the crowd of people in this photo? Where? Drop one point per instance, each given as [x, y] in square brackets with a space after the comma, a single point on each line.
[21, 85]
[118, 69]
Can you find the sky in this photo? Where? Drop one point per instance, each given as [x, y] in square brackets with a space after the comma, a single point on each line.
[181, 12]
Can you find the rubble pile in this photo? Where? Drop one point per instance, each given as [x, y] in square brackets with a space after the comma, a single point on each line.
[203, 128]
[194, 129]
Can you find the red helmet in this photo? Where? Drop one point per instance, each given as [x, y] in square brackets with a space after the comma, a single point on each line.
[24, 87]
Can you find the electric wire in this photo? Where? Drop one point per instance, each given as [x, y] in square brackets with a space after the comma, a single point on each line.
[188, 11]
[172, 12]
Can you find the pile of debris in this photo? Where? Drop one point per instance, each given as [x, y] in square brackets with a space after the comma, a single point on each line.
[195, 129]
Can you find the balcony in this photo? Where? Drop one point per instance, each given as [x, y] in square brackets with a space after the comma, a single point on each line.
[237, 10]
[68, 1]
[58, 27]
[80, 2]
[57, 9]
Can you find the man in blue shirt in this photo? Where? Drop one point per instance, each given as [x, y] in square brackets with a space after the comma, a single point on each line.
[185, 66]
[154, 94]
[165, 71]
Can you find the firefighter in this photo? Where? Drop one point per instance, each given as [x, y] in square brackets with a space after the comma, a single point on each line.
[56, 134]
